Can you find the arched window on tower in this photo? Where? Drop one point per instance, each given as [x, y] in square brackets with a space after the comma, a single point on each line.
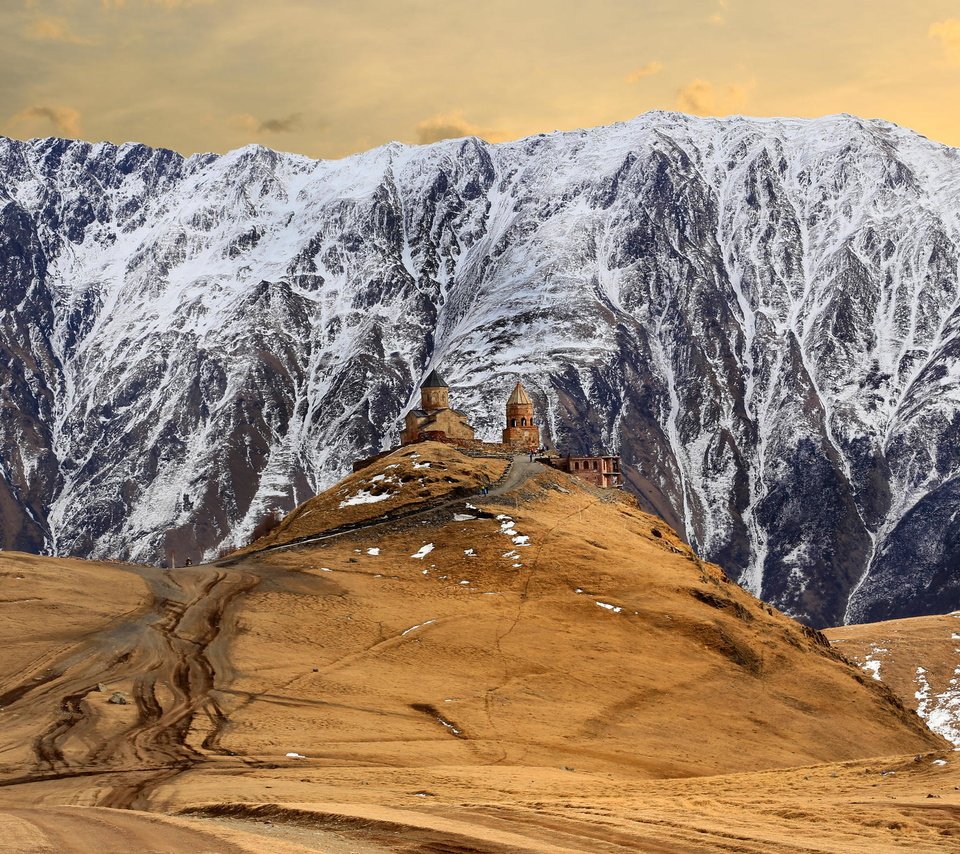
[513, 422]
[523, 422]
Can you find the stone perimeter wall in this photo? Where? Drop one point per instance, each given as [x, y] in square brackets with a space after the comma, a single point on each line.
[471, 447]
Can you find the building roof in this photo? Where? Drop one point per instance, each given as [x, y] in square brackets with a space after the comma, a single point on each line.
[603, 456]
[432, 414]
[434, 381]
[519, 395]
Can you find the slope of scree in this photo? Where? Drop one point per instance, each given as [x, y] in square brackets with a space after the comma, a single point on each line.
[760, 315]
[531, 670]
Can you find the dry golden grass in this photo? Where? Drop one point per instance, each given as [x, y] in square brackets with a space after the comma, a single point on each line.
[414, 475]
[902, 646]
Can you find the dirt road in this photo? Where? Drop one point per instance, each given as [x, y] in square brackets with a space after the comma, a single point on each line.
[519, 471]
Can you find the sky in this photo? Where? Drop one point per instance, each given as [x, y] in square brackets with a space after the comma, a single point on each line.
[328, 78]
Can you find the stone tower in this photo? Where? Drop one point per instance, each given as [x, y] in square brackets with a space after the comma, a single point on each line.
[520, 429]
[434, 393]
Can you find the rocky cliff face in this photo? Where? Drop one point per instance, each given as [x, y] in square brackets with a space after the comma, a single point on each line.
[761, 316]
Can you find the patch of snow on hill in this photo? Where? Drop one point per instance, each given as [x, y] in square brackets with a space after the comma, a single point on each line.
[872, 664]
[365, 497]
[941, 712]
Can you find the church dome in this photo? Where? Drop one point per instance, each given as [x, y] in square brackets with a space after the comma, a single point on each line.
[519, 396]
[434, 381]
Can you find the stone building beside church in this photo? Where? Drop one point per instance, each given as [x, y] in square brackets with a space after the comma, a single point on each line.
[603, 470]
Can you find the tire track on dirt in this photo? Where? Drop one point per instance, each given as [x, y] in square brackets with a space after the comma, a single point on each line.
[167, 660]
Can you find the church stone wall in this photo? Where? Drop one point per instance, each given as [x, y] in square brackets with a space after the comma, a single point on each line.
[434, 398]
[450, 423]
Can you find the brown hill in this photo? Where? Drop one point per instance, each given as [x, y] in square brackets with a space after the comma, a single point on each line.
[918, 658]
[404, 665]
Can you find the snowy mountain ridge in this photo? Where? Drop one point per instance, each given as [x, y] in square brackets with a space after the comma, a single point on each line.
[759, 314]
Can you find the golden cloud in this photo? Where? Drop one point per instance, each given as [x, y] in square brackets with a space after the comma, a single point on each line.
[65, 120]
[451, 126]
[719, 17]
[49, 28]
[703, 98]
[168, 4]
[948, 34]
[251, 124]
[648, 70]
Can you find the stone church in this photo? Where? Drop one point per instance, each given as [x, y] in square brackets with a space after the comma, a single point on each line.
[435, 419]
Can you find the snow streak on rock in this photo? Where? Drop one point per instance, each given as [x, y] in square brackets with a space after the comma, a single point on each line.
[760, 315]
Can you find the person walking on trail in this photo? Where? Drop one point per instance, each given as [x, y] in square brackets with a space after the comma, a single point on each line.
[531, 456]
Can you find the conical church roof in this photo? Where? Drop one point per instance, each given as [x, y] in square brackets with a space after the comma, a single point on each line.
[519, 396]
[434, 381]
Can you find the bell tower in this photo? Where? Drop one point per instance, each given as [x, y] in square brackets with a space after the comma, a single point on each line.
[435, 421]
[520, 429]
[434, 393]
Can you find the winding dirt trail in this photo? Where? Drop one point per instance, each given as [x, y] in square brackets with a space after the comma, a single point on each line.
[164, 664]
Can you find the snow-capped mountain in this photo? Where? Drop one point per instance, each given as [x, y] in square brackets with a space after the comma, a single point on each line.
[760, 315]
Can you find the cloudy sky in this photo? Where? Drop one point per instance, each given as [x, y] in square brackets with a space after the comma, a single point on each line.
[330, 77]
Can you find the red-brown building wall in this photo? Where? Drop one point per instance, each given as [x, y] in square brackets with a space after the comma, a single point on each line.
[600, 471]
